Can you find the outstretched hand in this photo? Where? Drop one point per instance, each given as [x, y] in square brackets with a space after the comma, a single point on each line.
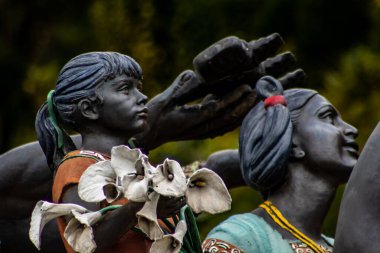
[223, 81]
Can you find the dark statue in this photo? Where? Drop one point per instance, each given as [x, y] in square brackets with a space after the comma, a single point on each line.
[222, 70]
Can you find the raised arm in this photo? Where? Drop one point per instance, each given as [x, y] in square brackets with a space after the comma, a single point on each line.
[223, 78]
[358, 227]
[226, 164]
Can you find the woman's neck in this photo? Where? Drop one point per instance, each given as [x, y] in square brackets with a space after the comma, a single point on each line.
[102, 143]
[304, 200]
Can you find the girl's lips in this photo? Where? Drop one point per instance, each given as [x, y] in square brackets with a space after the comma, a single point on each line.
[143, 113]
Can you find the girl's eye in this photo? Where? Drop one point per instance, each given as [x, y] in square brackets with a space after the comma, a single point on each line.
[123, 87]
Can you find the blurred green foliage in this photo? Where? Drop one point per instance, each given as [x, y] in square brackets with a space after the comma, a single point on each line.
[336, 42]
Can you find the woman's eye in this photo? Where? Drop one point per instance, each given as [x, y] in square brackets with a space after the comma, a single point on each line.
[329, 116]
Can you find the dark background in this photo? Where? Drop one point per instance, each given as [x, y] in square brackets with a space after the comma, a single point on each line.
[336, 42]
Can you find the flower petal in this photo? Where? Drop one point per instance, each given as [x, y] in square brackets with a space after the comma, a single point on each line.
[144, 168]
[136, 188]
[169, 179]
[80, 237]
[206, 192]
[112, 192]
[79, 233]
[170, 243]
[87, 218]
[123, 160]
[147, 218]
[95, 177]
[43, 213]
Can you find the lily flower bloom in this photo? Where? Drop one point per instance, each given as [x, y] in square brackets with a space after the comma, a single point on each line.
[79, 233]
[170, 243]
[147, 218]
[206, 192]
[169, 179]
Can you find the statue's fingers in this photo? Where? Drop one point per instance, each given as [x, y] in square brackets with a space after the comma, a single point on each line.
[279, 64]
[214, 107]
[209, 98]
[186, 87]
[228, 56]
[296, 78]
[265, 47]
[229, 119]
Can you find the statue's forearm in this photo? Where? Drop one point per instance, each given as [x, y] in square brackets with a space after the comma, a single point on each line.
[226, 164]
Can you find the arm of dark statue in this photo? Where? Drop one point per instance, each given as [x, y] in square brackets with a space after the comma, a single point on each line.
[358, 226]
[226, 164]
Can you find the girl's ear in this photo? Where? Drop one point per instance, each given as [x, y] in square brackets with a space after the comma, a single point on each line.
[88, 109]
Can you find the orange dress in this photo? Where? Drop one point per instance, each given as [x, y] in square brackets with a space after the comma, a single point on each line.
[69, 173]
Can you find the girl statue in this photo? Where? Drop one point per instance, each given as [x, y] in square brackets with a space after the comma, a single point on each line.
[98, 95]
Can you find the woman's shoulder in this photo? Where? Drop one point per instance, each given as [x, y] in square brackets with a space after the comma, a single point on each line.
[249, 233]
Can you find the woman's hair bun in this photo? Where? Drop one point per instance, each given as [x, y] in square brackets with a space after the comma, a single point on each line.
[268, 86]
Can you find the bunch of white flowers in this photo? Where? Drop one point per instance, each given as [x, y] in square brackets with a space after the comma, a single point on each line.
[130, 175]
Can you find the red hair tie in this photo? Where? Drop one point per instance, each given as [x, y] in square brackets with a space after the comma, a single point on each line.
[275, 100]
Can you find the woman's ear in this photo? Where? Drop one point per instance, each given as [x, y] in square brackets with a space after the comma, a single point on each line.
[296, 153]
[88, 109]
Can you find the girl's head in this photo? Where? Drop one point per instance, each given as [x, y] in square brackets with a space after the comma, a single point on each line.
[308, 130]
[81, 79]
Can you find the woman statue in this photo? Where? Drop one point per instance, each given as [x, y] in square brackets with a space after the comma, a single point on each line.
[295, 150]
[98, 95]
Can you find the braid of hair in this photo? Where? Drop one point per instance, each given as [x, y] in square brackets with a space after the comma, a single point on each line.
[265, 138]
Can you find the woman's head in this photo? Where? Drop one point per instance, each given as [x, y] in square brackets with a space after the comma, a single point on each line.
[270, 136]
[81, 78]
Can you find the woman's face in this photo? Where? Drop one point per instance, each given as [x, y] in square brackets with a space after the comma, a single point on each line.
[328, 141]
[123, 109]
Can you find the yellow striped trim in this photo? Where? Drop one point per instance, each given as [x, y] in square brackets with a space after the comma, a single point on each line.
[277, 217]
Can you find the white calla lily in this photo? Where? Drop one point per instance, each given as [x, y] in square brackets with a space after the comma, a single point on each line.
[79, 233]
[123, 160]
[92, 182]
[43, 213]
[136, 188]
[136, 185]
[207, 192]
[147, 218]
[112, 192]
[170, 243]
[169, 179]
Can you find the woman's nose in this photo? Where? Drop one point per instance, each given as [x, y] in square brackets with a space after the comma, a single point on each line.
[350, 130]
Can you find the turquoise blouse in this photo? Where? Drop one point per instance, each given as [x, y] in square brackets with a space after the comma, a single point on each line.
[251, 234]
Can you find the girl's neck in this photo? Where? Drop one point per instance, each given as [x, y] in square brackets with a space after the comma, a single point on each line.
[102, 143]
[304, 200]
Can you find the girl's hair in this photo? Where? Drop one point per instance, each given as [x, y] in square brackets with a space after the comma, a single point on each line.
[78, 79]
[266, 135]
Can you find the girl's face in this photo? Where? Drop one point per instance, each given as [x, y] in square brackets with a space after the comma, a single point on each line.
[328, 141]
[123, 110]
